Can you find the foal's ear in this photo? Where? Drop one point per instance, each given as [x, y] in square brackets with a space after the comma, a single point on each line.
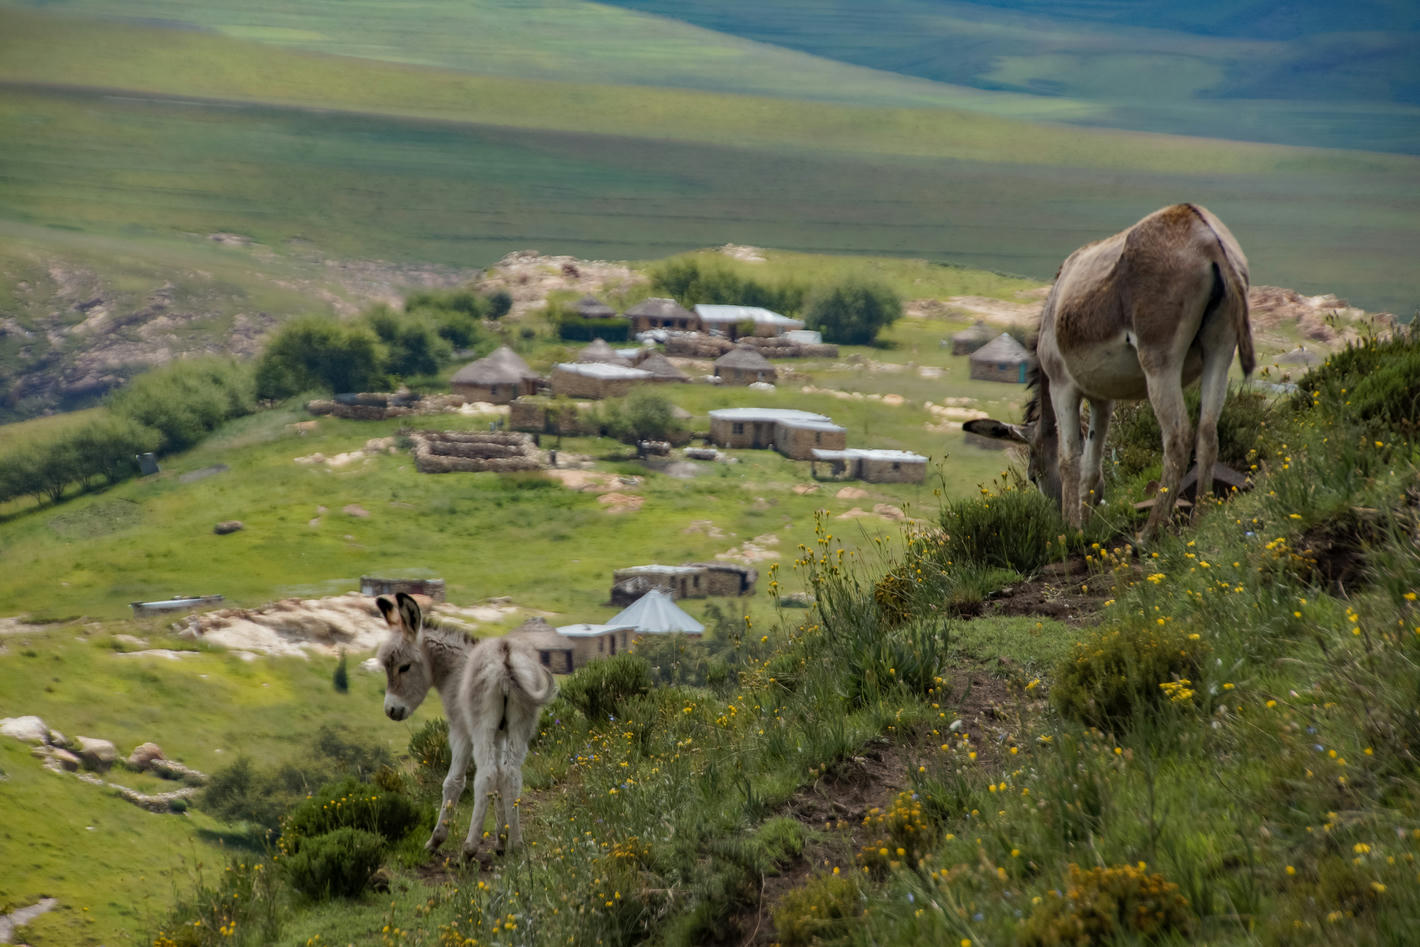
[401, 614]
[997, 430]
[409, 614]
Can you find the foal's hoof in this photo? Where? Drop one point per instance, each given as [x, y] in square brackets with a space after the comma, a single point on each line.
[432, 845]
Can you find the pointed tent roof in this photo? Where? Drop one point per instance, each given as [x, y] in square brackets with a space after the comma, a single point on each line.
[655, 614]
[744, 356]
[1003, 348]
[502, 367]
[590, 307]
[601, 351]
[661, 367]
[660, 308]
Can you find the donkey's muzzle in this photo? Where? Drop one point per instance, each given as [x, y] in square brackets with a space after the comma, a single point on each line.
[396, 712]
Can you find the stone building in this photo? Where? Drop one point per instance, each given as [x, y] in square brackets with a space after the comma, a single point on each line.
[791, 432]
[874, 466]
[735, 321]
[595, 379]
[497, 378]
[743, 365]
[661, 313]
[970, 339]
[1001, 359]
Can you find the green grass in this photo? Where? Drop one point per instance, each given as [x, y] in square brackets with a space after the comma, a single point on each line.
[384, 173]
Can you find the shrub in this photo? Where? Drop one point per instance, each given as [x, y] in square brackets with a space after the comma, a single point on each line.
[1374, 380]
[339, 863]
[429, 746]
[1016, 528]
[644, 415]
[1136, 441]
[186, 399]
[852, 312]
[690, 281]
[1103, 904]
[1117, 673]
[349, 804]
[319, 354]
[900, 836]
[411, 344]
[826, 908]
[600, 688]
[675, 659]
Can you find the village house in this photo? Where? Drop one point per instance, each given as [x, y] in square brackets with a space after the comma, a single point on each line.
[599, 350]
[692, 580]
[873, 466]
[590, 307]
[1001, 359]
[655, 614]
[432, 589]
[661, 368]
[743, 365]
[793, 433]
[735, 321]
[661, 313]
[970, 339]
[594, 379]
[590, 641]
[556, 652]
[497, 378]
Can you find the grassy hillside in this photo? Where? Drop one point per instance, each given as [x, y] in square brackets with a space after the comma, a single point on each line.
[1318, 75]
[373, 159]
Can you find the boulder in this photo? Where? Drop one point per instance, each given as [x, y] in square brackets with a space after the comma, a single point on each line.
[143, 756]
[57, 759]
[30, 729]
[227, 526]
[96, 754]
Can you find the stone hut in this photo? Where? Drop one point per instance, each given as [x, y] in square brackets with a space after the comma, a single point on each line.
[590, 307]
[595, 379]
[473, 451]
[540, 415]
[661, 368]
[728, 578]
[629, 584]
[734, 321]
[970, 339]
[599, 350]
[793, 433]
[1001, 359]
[661, 313]
[743, 365]
[591, 641]
[556, 652]
[498, 378]
[873, 466]
[433, 589]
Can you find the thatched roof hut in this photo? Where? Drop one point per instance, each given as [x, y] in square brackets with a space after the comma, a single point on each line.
[498, 377]
[743, 365]
[601, 351]
[1001, 359]
[970, 339]
[661, 313]
[590, 307]
[661, 368]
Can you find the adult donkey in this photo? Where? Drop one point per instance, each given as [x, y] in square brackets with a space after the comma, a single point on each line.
[1137, 315]
[493, 692]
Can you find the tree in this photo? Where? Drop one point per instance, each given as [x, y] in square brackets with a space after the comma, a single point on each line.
[412, 347]
[107, 445]
[644, 416]
[319, 354]
[852, 312]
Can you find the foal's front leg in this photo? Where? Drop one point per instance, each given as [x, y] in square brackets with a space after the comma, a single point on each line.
[460, 749]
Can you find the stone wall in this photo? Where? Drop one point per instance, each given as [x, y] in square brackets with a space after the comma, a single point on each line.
[501, 451]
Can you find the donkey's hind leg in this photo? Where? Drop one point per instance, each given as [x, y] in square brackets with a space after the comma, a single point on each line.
[460, 750]
[519, 735]
[485, 760]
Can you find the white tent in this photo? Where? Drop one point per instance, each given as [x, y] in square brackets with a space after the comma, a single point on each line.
[655, 614]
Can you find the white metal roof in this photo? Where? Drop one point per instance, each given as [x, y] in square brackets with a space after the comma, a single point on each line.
[850, 453]
[602, 370]
[732, 314]
[791, 415]
[656, 569]
[589, 630]
[655, 613]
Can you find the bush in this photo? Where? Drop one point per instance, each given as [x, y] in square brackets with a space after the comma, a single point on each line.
[411, 344]
[1118, 673]
[320, 354]
[675, 659]
[1102, 905]
[1374, 381]
[852, 312]
[185, 400]
[349, 803]
[600, 688]
[335, 864]
[644, 415]
[825, 909]
[429, 746]
[690, 281]
[1017, 528]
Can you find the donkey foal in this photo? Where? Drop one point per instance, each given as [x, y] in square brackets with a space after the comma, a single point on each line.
[493, 692]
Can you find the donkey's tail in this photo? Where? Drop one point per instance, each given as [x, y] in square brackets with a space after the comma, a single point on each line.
[532, 678]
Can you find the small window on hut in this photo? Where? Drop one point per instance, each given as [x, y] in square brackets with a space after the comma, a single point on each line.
[738, 428]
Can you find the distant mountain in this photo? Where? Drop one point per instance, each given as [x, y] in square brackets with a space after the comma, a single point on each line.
[1332, 74]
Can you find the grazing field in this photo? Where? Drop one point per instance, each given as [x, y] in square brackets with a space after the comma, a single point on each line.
[363, 158]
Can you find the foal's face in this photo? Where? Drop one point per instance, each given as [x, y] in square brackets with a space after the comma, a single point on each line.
[407, 677]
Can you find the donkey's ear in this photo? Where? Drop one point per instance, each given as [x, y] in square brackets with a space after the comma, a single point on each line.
[409, 614]
[996, 430]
